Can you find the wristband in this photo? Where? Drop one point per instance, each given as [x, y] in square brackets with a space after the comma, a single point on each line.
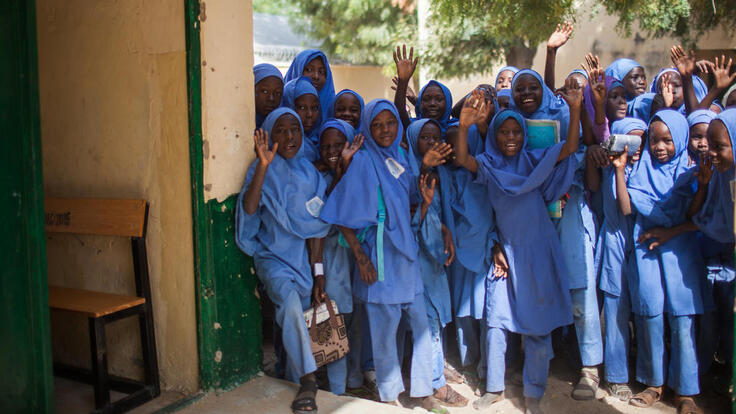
[319, 269]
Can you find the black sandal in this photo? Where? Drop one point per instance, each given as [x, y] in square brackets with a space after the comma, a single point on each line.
[305, 401]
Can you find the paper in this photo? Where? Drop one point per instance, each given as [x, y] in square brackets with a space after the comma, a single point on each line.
[314, 206]
[322, 313]
[394, 167]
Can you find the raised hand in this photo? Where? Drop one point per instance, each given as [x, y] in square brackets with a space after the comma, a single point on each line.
[703, 65]
[500, 264]
[449, 245]
[410, 95]
[437, 155]
[260, 144]
[560, 36]
[619, 161]
[598, 156]
[667, 90]
[705, 172]
[405, 64]
[597, 86]
[573, 93]
[721, 72]
[350, 149]
[684, 63]
[427, 189]
[591, 62]
[474, 110]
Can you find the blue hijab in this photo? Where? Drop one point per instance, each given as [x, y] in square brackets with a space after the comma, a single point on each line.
[340, 125]
[262, 71]
[715, 218]
[448, 103]
[652, 184]
[551, 107]
[374, 167]
[628, 124]
[700, 87]
[331, 112]
[701, 116]
[621, 67]
[288, 193]
[412, 136]
[580, 72]
[641, 106]
[513, 69]
[296, 70]
[293, 90]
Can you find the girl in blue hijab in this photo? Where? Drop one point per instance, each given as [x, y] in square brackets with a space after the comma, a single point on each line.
[504, 76]
[631, 74]
[534, 100]
[277, 211]
[348, 106]
[269, 86]
[615, 244]
[527, 291]
[435, 102]
[671, 273]
[313, 64]
[371, 206]
[700, 88]
[302, 98]
[697, 146]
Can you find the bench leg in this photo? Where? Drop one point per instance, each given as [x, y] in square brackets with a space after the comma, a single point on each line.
[98, 347]
[148, 346]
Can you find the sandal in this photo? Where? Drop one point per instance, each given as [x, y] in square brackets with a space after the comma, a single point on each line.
[588, 384]
[686, 405]
[305, 401]
[451, 398]
[646, 398]
[620, 391]
[488, 399]
[451, 375]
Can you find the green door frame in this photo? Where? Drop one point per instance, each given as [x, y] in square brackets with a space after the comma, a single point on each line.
[25, 350]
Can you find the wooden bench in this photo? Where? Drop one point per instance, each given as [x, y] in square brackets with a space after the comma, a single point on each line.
[121, 218]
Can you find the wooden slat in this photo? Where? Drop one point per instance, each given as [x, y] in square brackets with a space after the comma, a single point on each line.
[95, 216]
[89, 302]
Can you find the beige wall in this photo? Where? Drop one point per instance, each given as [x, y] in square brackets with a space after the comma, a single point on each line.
[112, 77]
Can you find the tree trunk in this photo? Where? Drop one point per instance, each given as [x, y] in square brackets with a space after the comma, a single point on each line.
[519, 54]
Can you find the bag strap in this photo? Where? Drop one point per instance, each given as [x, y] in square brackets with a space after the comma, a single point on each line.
[379, 233]
[331, 311]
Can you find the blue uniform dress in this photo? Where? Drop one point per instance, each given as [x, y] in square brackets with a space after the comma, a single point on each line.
[275, 235]
[715, 221]
[615, 245]
[534, 299]
[373, 198]
[262, 71]
[293, 90]
[671, 277]
[296, 70]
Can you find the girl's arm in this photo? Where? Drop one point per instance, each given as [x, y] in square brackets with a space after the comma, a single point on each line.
[558, 38]
[574, 97]
[622, 193]
[703, 176]
[475, 108]
[427, 194]
[596, 157]
[587, 125]
[724, 78]
[252, 197]
[405, 66]
[686, 66]
[663, 234]
[365, 266]
[316, 262]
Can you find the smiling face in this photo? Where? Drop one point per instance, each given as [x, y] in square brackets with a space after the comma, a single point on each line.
[433, 102]
[719, 143]
[637, 155]
[429, 135]
[288, 134]
[317, 72]
[504, 80]
[661, 144]
[347, 108]
[698, 139]
[331, 144]
[527, 93]
[635, 82]
[510, 137]
[616, 104]
[384, 128]
[307, 106]
[268, 95]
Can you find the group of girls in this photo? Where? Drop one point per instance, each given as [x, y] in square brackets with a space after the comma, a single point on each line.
[503, 217]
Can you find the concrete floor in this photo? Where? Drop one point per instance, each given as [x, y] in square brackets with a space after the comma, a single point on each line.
[72, 397]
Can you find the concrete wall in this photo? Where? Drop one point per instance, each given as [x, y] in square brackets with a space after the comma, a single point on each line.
[112, 79]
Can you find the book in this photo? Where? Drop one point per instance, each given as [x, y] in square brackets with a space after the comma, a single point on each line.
[542, 133]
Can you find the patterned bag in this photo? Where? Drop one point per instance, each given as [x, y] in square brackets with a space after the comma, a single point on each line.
[329, 337]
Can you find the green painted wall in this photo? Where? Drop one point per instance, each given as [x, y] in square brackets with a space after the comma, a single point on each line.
[26, 382]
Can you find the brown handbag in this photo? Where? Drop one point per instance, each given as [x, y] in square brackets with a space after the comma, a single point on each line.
[329, 337]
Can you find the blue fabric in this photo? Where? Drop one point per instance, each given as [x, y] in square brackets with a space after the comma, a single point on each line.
[587, 320]
[513, 69]
[296, 70]
[331, 111]
[621, 67]
[641, 106]
[340, 125]
[701, 116]
[537, 354]
[715, 218]
[289, 315]
[338, 262]
[438, 355]
[293, 90]
[552, 107]
[448, 103]
[262, 71]
[518, 188]
[617, 312]
[579, 71]
[670, 277]
[715, 333]
[468, 339]
[354, 204]
[275, 234]
[701, 89]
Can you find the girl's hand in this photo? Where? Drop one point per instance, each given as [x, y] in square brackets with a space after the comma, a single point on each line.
[410, 95]
[318, 290]
[572, 94]
[475, 109]
[560, 36]
[449, 245]
[667, 91]
[721, 72]
[500, 264]
[260, 143]
[660, 235]
[598, 156]
[619, 161]
[437, 155]
[598, 86]
[405, 64]
[703, 65]
[684, 63]
[591, 62]
[705, 173]
[349, 150]
[426, 189]
[366, 269]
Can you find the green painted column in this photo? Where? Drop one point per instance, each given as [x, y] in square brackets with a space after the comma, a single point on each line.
[26, 383]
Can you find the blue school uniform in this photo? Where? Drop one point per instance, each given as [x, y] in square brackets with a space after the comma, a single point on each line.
[380, 177]
[331, 112]
[445, 119]
[275, 236]
[670, 278]
[293, 90]
[641, 106]
[262, 71]
[296, 70]
[534, 299]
